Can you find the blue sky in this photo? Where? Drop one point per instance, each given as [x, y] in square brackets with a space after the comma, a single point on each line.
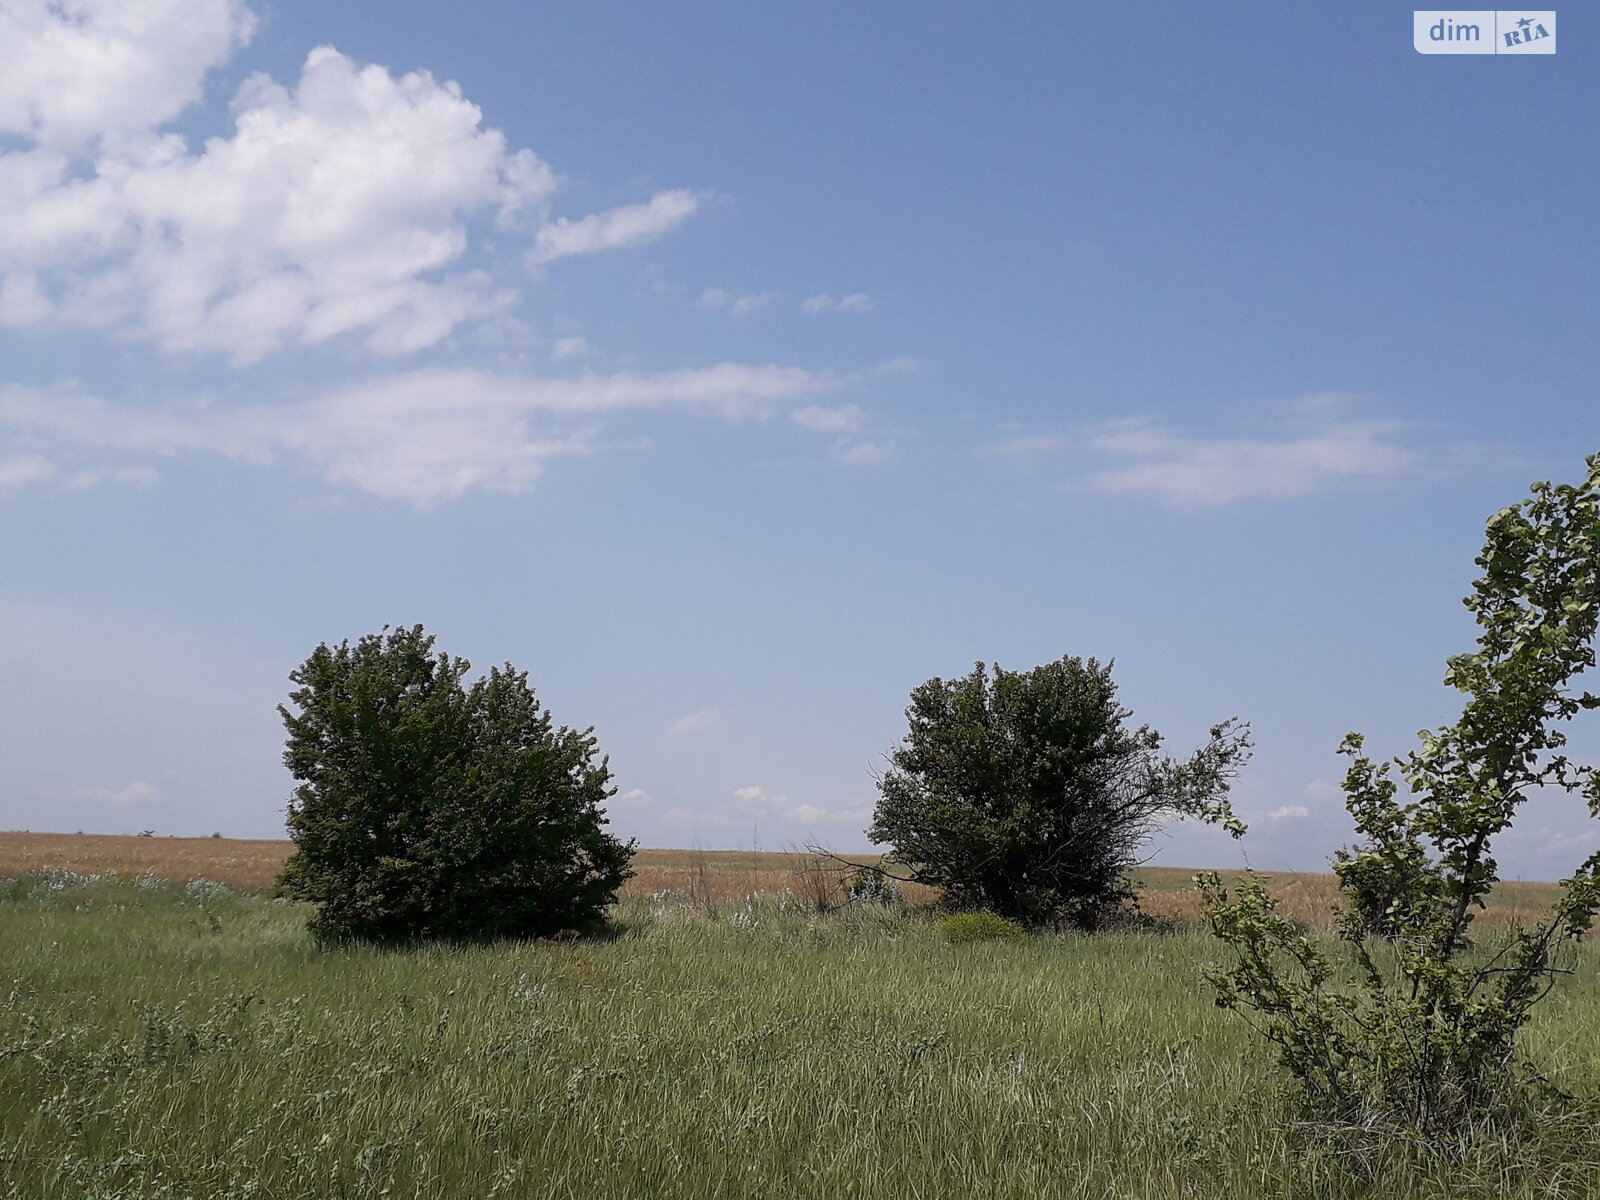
[734, 368]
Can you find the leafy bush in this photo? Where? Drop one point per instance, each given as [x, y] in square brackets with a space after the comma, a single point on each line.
[978, 927]
[428, 809]
[1422, 1032]
[866, 886]
[1025, 793]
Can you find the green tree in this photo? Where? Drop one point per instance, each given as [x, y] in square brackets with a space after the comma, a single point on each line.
[1025, 793]
[1422, 1032]
[430, 809]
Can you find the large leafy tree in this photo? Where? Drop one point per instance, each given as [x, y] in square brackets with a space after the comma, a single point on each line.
[430, 809]
[1027, 794]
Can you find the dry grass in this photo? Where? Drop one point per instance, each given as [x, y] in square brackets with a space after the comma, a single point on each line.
[1308, 897]
[234, 861]
[711, 878]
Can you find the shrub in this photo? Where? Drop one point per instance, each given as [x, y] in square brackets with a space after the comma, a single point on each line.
[1422, 1033]
[978, 927]
[866, 886]
[1026, 794]
[429, 809]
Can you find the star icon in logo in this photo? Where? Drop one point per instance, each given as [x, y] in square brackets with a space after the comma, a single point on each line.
[1525, 22]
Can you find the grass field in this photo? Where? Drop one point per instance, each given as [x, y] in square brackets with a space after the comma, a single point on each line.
[715, 878]
[170, 1040]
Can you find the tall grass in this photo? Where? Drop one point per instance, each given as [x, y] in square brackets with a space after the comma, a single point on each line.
[163, 1041]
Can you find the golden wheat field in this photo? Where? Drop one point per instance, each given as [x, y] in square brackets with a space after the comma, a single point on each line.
[709, 877]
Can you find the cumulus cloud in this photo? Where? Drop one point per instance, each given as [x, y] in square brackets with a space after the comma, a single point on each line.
[692, 724]
[856, 302]
[336, 208]
[422, 436]
[343, 205]
[627, 225]
[1289, 812]
[77, 71]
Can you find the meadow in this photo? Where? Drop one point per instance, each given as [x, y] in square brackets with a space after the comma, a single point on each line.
[170, 1039]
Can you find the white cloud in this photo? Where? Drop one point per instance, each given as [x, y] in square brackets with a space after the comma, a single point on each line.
[632, 799]
[1197, 470]
[757, 801]
[422, 436]
[570, 347]
[334, 209]
[20, 472]
[752, 302]
[836, 816]
[79, 70]
[738, 305]
[1289, 812]
[1562, 844]
[692, 724]
[861, 454]
[1324, 789]
[898, 366]
[140, 476]
[856, 302]
[821, 419]
[627, 225]
[134, 793]
[343, 205]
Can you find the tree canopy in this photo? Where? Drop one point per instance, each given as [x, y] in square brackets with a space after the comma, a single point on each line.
[430, 809]
[1027, 794]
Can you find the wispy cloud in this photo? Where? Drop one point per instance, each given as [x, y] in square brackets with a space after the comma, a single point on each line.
[627, 225]
[19, 472]
[737, 304]
[856, 302]
[123, 797]
[570, 347]
[695, 723]
[1025, 446]
[1289, 812]
[1312, 445]
[862, 453]
[821, 419]
[1191, 469]
[758, 801]
[422, 436]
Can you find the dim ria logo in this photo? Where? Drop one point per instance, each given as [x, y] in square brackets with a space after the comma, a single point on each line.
[1485, 31]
